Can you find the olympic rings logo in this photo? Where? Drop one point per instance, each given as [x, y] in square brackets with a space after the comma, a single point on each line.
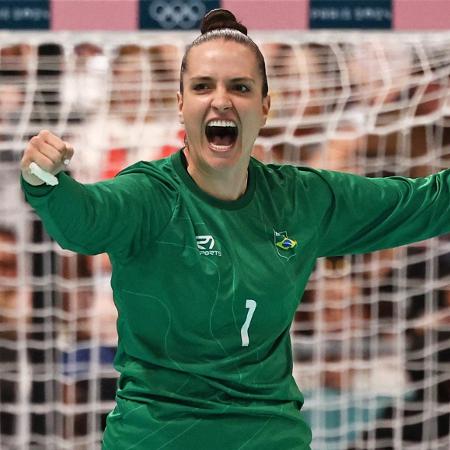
[177, 13]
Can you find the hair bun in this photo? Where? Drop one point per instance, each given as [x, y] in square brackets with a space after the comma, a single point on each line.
[219, 18]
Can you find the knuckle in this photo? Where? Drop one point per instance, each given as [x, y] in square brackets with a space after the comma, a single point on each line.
[35, 141]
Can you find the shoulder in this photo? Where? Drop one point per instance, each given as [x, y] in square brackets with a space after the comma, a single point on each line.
[157, 174]
[157, 168]
[288, 176]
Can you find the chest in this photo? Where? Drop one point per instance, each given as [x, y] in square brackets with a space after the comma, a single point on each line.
[233, 278]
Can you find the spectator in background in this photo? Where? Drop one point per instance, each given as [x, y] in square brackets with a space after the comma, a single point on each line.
[349, 106]
[87, 341]
[338, 326]
[398, 89]
[424, 414]
[310, 123]
[14, 316]
[164, 62]
[84, 88]
[14, 61]
[47, 98]
[129, 83]
[295, 94]
[136, 126]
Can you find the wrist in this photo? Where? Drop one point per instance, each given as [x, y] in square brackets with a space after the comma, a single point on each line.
[31, 179]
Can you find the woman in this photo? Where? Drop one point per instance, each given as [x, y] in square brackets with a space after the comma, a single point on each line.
[211, 251]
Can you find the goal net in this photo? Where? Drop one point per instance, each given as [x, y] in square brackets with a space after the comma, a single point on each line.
[371, 338]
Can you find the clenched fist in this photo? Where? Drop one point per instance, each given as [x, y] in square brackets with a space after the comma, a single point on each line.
[49, 152]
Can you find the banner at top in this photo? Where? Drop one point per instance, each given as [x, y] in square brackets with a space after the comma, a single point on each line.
[131, 15]
[350, 14]
[24, 15]
[174, 14]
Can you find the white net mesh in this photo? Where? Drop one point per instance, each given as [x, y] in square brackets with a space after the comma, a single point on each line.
[372, 338]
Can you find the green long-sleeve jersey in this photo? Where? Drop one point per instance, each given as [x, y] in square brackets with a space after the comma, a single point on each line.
[206, 289]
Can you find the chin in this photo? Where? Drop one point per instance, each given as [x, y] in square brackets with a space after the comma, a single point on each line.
[225, 159]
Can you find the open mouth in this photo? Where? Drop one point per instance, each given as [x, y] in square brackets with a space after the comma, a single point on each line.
[222, 134]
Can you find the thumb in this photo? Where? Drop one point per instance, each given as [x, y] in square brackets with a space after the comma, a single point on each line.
[68, 153]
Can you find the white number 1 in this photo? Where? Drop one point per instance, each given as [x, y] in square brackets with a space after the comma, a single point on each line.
[251, 305]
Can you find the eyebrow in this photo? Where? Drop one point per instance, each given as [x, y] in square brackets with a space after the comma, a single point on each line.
[233, 80]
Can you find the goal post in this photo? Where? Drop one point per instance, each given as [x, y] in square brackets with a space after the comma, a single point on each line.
[371, 338]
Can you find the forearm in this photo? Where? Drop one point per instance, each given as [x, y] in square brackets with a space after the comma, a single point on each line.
[81, 218]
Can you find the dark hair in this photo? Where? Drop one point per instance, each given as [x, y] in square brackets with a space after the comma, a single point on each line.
[222, 24]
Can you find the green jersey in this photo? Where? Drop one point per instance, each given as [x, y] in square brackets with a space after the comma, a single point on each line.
[206, 289]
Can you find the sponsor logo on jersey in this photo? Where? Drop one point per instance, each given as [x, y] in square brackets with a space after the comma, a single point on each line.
[285, 246]
[205, 245]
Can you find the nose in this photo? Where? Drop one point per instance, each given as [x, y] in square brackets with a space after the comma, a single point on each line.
[221, 102]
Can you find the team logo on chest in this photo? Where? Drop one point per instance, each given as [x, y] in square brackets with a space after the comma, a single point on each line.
[285, 246]
[206, 245]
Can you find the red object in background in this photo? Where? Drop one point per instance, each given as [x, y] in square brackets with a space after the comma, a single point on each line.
[167, 150]
[116, 160]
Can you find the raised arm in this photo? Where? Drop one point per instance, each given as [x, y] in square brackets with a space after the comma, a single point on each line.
[367, 214]
[108, 216]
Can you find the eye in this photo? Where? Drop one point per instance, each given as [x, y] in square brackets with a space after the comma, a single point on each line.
[242, 88]
[200, 86]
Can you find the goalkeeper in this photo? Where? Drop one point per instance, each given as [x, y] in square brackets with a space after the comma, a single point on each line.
[211, 251]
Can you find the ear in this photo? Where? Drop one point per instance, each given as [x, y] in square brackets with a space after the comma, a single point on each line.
[180, 107]
[265, 109]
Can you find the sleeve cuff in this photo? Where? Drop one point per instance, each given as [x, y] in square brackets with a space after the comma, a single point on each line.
[41, 190]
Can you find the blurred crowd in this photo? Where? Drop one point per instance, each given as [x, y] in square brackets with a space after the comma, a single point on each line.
[371, 338]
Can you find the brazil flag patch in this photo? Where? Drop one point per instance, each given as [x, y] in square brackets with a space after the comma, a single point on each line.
[285, 246]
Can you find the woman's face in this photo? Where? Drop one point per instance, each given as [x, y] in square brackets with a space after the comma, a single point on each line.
[222, 106]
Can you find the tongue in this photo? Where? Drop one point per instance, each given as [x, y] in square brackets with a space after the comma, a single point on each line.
[222, 140]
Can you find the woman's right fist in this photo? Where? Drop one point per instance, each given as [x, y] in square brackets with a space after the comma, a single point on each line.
[49, 152]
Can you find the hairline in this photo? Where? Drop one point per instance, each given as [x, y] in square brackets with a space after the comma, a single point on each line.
[232, 35]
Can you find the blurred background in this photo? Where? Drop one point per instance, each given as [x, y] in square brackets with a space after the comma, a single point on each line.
[357, 86]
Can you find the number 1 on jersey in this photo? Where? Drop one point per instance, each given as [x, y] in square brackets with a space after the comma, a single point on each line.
[251, 305]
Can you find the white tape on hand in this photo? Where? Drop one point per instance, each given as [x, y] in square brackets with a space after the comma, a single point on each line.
[46, 177]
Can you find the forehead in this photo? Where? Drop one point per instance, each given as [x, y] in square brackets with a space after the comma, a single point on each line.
[221, 58]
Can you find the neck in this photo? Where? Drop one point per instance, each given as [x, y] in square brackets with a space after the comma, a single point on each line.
[224, 184]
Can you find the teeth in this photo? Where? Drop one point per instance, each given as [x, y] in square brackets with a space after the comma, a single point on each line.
[221, 123]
